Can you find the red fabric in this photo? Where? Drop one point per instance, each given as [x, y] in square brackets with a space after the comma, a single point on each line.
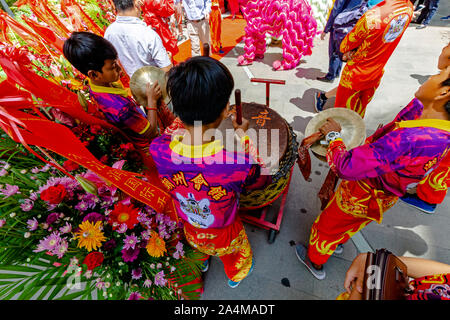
[16, 64]
[79, 19]
[234, 6]
[43, 12]
[26, 34]
[60, 139]
[353, 206]
[374, 37]
[215, 25]
[433, 188]
[48, 36]
[434, 287]
[354, 99]
[155, 13]
[230, 244]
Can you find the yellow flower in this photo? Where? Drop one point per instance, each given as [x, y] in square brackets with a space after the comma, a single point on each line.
[156, 247]
[90, 236]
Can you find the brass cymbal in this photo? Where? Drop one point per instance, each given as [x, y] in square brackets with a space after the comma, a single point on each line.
[353, 129]
[144, 75]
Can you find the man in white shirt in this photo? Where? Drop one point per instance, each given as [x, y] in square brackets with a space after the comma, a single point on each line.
[137, 44]
[197, 14]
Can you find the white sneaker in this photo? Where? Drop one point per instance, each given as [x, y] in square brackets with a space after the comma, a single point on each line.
[301, 252]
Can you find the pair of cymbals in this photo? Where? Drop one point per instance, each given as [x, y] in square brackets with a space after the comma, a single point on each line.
[353, 131]
[144, 75]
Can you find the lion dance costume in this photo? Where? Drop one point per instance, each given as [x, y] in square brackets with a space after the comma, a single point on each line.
[292, 19]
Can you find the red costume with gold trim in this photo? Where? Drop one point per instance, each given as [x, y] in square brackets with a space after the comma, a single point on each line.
[433, 188]
[394, 160]
[374, 38]
[215, 25]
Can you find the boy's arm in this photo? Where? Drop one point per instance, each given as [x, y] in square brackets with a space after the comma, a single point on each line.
[369, 160]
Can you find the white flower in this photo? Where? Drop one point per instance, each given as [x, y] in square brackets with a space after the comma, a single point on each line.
[27, 235]
[12, 214]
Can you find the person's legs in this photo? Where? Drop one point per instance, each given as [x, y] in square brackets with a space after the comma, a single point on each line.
[335, 63]
[423, 13]
[356, 100]
[432, 8]
[204, 32]
[230, 244]
[353, 206]
[193, 34]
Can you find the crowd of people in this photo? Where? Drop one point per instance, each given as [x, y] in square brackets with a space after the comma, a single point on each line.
[407, 158]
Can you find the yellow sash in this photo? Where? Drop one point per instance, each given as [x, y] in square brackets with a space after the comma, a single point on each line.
[116, 88]
[433, 123]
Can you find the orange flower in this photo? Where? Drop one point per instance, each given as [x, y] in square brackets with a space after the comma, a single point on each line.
[90, 236]
[156, 247]
[124, 214]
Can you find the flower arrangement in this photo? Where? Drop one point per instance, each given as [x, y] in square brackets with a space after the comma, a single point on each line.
[82, 238]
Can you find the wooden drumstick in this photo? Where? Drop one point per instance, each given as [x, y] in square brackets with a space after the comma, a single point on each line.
[206, 50]
[237, 97]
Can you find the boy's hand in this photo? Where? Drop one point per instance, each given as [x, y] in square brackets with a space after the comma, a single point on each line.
[153, 94]
[329, 126]
[243, 126]
[355, 274]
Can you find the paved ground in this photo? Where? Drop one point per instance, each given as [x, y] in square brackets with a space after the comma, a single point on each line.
[404, 231]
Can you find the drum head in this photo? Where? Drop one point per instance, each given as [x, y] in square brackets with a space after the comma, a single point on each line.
[271, 144]
[353, 128]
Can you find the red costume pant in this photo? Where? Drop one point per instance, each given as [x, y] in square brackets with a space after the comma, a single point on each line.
[215, 25]
[230, 244]
[356, 100]
[353, 206]
[433, 188]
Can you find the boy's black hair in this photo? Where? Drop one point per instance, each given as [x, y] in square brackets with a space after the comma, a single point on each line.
[123, 5]
[88, 51]
[200, 89]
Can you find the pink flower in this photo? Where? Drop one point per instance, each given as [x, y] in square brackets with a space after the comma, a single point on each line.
[66, 228]
[134, 296]
[10, 190]
[2, 222]
[136, 274]
[147, 283]
[130, 242]
[27, 205]
[32, 224]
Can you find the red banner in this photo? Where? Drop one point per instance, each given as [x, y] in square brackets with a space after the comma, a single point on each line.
[79, 19]
[61, 140]
[15, 64]
[23, 32]
[43, 12]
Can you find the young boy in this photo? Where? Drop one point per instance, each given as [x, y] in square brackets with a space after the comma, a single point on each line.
[96, 58]
[432, 190]
[204, 179]
[394, 160]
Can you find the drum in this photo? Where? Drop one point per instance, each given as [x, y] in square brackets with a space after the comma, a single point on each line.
[277, 149]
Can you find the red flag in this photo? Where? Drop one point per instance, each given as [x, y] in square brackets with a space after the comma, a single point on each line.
[61, 140]
[80, 20]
